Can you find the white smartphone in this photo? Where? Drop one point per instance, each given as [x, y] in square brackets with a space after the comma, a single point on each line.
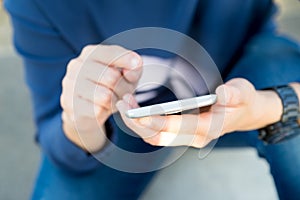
[172, 107]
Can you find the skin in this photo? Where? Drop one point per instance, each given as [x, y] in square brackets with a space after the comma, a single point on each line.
[239, 108]
[103, 77]
[92, 85]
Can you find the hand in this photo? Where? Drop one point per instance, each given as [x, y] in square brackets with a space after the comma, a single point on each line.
[239, 107]
[93, 83]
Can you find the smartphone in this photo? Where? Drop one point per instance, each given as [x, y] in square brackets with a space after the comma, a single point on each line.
[172, 107]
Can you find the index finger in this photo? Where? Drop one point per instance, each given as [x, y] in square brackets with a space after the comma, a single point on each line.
[112, 55]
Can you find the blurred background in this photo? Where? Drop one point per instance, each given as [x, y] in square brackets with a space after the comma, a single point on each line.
[224, 174]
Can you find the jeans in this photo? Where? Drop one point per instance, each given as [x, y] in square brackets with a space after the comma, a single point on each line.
[107, 183]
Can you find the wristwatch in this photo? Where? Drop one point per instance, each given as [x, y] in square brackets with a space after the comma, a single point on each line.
[288, 126]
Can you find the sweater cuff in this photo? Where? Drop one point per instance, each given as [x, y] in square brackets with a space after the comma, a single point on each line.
[112, 137]
[65, 153]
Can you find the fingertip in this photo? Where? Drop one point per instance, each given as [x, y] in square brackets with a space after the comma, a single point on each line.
[220, 89]
[136, 61]
[120, 105]
[126, 97]
[223, 94]
[129, 98]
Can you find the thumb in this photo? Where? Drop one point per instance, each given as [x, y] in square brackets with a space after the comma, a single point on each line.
[234, 92]
[228, 95]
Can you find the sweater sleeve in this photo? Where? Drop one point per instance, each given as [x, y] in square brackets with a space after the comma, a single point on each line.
[45, 56]
[269, 58]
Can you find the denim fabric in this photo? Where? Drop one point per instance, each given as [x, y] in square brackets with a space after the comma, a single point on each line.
[107, 183]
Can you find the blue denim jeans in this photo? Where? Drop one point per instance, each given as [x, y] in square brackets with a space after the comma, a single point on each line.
[107, 183]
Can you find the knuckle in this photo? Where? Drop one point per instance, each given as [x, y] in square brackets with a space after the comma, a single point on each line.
[97, 110]
[62, 102]
[87, 49]
[65, 83]
[67, 118]
[64, 116]
[119, 51]
[70, 65]
[118, 48]
[106, 97]
[73, 68]
[115, 74]
[113, 77]
[72, 62]
[66, 107]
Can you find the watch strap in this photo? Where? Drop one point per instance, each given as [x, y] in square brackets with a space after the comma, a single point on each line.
[288, 125]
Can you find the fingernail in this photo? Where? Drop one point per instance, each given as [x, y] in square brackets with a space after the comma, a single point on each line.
[127, 98]
[222, 93]
[134, 62]
[228, 94]
[118, 105]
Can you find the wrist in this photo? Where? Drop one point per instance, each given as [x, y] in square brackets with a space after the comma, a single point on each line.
[288, 125]
[90, 141]
[269, 107]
